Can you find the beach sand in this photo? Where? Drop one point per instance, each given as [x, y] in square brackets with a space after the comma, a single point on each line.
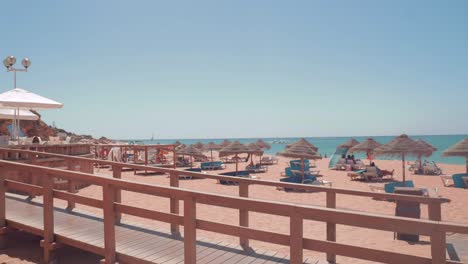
[455, 211]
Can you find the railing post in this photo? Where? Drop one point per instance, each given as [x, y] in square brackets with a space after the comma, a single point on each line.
[244, 215]
[435, 211]
[296, 238]
[174, 203]
[3, 238]
[109, 224]
[331, 227]
[70, 184]
[117, 174]
[438, 247]
[32, 179]
[190, 231]
[48, 243]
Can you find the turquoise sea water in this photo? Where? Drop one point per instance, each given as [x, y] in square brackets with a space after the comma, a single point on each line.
[327, 145]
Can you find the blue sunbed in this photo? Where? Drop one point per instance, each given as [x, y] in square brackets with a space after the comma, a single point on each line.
[212, 165]
[390, 187]
[458, 180]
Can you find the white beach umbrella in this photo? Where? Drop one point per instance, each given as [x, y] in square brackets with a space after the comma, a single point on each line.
[20, 99]
[9, 113]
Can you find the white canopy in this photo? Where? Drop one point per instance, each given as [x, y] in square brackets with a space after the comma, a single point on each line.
[7, 113]
[22, 99]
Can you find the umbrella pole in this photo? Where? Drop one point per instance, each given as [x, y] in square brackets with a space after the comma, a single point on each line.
[466, 164]
[237, 161]
[211, 155]
[420, 164]
[303, 169]
[191, 162]
[403, 164]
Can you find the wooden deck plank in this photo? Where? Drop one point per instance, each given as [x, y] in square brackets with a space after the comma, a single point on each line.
[136, 242]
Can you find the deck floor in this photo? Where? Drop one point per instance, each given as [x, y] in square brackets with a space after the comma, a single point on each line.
[135, 244]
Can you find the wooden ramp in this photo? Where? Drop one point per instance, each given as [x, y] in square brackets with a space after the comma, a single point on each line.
[134, 244]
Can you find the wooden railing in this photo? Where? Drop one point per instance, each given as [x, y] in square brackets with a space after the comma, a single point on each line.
[434, 204]
[436, 230]
[65, 149]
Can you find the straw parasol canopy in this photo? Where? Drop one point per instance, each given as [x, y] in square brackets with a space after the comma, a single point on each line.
[426, 151]
[199, 145]
[235, 148]
[212, 146]
[262, 144]
[303, 141]
[460, 150]
[225, 143]
[401, 146]
[302, 150]
[191, 151]
[367, 146]
[254, 150]
[349, 144]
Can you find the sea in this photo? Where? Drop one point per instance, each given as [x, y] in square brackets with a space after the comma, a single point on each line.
[327, 145]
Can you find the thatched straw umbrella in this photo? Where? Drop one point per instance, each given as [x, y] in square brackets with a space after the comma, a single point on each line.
[301, 150]
[262, 144]
[191, 151]
[199, 145]
[254, 149]
[210, 147]
[225, 143]
[303, 141]
[460, 149]
[400, 146]
[367, 146]
[235, 148]
[349, 144]
[426, 151]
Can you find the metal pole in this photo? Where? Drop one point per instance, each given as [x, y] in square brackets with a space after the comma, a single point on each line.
[14, 74]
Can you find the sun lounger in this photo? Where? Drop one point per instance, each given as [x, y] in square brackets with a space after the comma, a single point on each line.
[244, 174]
[212, 165]
[458, 180]
[257, 168]
[269, 161]
[390, 187]
[447, 180]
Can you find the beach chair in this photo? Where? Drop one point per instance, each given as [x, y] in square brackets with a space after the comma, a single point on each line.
[459, 180]
[268, 161]
[212, 165]
[257, 168]
[390, 187]
[447, 180]
[431, 169]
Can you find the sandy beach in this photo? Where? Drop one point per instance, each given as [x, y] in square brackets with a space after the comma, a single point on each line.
[455, 211]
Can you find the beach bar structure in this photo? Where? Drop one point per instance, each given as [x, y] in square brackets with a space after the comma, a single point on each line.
[103, 235]
[101, 151]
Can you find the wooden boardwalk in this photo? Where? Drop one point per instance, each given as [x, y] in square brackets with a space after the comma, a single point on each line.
[134, 244]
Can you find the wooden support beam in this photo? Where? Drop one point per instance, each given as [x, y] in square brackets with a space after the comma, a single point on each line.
[109, 224]
[3, 238]
[296, 239]
[174, 203]
[117, 174]
[438, 247]
[435, 211]
[70, 185]
[331, 227]
[244, 215]
[48, 215]
[190, 231]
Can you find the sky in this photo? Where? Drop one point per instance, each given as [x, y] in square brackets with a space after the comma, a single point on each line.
[222, 69]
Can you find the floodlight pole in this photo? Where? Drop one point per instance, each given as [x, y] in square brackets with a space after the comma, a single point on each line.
[14, 70]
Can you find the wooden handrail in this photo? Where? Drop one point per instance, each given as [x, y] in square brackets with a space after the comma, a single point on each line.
[296, 212]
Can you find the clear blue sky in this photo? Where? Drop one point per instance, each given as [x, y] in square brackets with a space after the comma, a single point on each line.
[201, 69]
